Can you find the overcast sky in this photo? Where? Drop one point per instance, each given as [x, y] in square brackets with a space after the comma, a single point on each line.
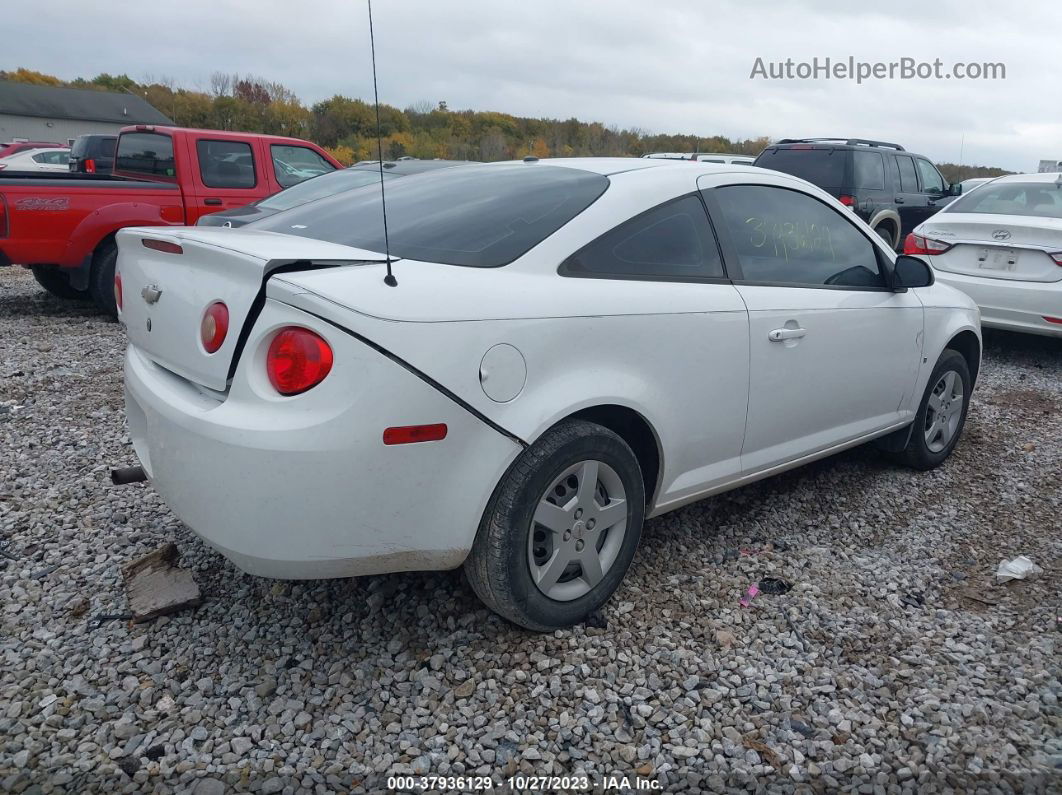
[662, 66]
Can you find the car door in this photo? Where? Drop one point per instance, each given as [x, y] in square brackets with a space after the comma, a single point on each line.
[227, 176]
[833, 353]
[910, 200]
[933, 186]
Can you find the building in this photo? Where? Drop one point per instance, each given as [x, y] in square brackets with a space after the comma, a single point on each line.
[48, 113]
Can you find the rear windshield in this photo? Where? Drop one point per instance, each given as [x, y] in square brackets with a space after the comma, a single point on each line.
[480, 216]
[1036, 199]
[822, 167]
[146, 153]
[320, 187]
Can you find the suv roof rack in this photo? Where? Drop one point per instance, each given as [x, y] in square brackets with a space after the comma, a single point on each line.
[845, 141]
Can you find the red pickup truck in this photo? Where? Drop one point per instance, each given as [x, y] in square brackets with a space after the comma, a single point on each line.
[62, 226]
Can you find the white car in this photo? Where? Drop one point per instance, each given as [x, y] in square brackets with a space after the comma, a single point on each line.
[968, 185]
[572, 346]
[1002, 246]
[55, 159]
[704, 157]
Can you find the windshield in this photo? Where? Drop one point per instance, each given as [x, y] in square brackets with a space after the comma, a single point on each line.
[1035, 199]
[319, 187]
[479, 216]
[822, 167]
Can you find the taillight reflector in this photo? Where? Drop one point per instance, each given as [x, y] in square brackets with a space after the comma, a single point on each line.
[118, 290]
[214, 326]
[297, 360]
[916, 244]
[1057, 257]
[161, 245]
[847, 201]
[411, 434]
[1053, 319]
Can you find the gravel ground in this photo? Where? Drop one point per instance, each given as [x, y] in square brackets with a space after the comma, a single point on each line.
[893, 664]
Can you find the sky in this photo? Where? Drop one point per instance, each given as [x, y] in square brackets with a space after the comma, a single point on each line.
[668, 66]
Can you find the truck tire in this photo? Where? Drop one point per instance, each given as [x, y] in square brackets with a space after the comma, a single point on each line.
[101, 280]
[57, 282]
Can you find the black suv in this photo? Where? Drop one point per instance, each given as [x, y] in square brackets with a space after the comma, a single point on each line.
[890, 188]
[93, 154]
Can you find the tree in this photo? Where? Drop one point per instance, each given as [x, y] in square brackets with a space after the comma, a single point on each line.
[22, 75]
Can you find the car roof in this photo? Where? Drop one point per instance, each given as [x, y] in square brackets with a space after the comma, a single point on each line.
[608, 166]
[1041, 176]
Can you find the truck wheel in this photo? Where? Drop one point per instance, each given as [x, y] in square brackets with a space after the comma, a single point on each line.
[560, 529]
[56, 281]
[101, 281]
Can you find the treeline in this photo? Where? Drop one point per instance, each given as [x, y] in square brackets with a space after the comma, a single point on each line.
[347, 127]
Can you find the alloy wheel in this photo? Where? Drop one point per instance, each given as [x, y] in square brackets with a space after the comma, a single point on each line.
[944, 411]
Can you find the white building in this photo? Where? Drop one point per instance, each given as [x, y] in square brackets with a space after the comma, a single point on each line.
[47, 113]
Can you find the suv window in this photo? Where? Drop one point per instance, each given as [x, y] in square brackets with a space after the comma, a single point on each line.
[869, 170]
[225, 164]
[822, 167]
[908, 180]
[782, 236]
[146, 153]
[481, 216]
[673, 240]
[932, 182]
[293, 164]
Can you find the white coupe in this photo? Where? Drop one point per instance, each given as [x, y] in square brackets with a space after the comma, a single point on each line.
[572, 346]
[1002, 245]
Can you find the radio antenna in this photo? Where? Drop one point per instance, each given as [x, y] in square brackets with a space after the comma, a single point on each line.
[389, 279]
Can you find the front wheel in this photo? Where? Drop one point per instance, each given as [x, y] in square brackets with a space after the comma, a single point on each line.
[560, 529]
[941, 414]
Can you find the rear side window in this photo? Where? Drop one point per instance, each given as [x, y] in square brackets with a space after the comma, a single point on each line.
[783, 236]
[869, 170]
[673, 240]
[822, 167]
[146, 153]
[293, 164]
[225, 164]
[908, 180]
[481, 216]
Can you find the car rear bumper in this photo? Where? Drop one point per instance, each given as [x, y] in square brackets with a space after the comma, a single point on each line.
[1011, 304]
[306, 490]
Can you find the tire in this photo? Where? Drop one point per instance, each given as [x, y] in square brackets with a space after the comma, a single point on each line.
[884, 231]
[57, 282]
[933, 434]
[510, 544]
[101, 280]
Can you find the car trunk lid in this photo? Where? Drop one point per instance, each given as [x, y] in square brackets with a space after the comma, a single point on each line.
[169, 283]
[998, 246]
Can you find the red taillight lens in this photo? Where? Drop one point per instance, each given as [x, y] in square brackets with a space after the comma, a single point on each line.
[118, 290]
[161, 245]
[916, 244]
[847, 201]
[90, 166]
[214, 327]
[1050, 319]
[298, 359]
[1056, 257]
[410, 434]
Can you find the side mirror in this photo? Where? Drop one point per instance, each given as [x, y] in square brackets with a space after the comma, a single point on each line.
[955, 189]
[910, 272]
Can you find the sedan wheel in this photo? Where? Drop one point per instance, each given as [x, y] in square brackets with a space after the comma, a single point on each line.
[561, 528]
[941, 414]
[945, 410]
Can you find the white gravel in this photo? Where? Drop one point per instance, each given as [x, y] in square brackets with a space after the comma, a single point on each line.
[876, 673]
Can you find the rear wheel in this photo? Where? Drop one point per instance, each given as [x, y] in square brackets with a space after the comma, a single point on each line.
[561, 528]
[56, 281]
[941, 415]
[101, 281]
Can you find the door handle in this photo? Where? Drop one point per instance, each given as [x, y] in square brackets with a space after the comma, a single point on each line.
[898, 200]
[783, 334]
[212, 202]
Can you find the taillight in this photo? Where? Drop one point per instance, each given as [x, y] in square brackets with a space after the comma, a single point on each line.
[1057, 257]
[90, 166]
[161, 245]
[118, 290]
[916, 244]
[214, 327]
[411, 434]
[847, 201]
[298, 359]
